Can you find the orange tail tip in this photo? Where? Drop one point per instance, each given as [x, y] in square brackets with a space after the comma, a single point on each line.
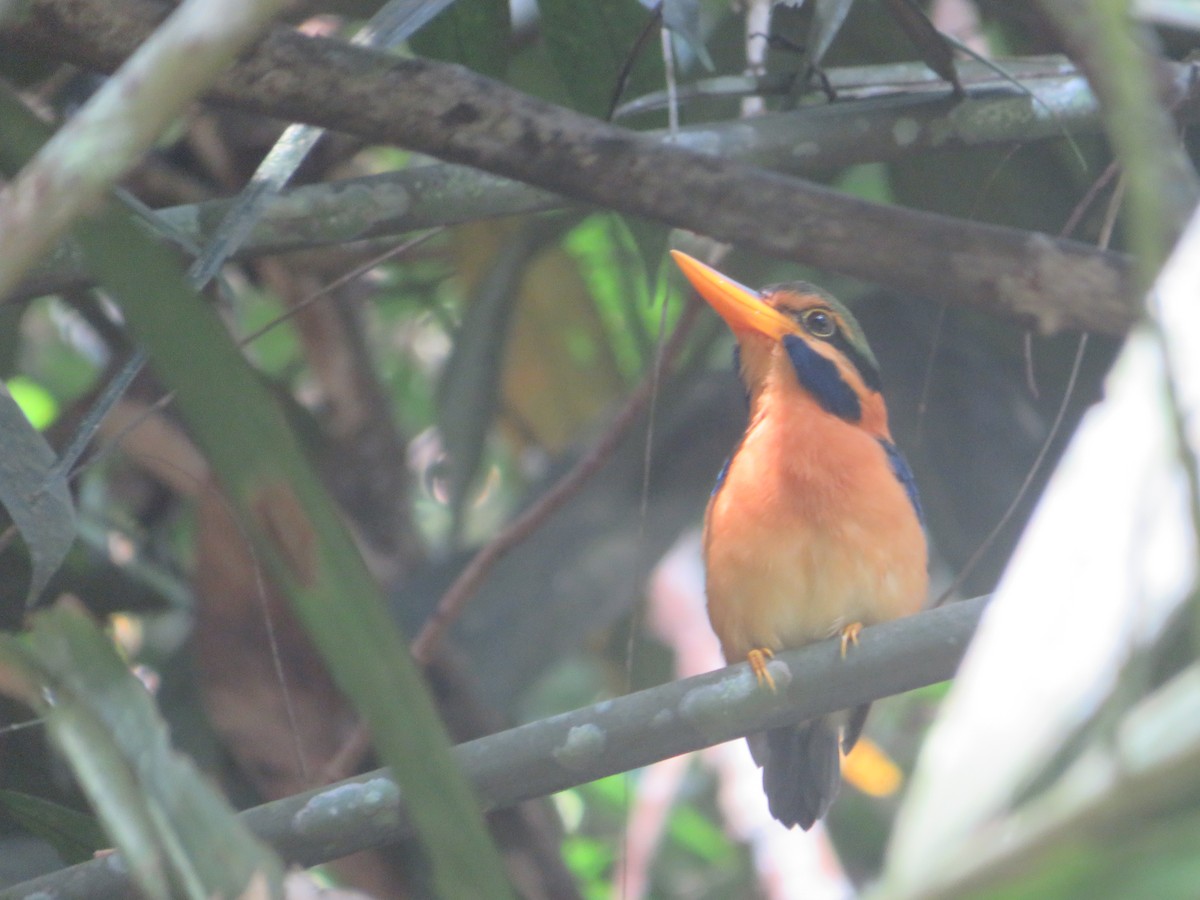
[868, 768]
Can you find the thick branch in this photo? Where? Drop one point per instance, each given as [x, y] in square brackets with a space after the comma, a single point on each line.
[74, 169]
[451, 113]
[610, 737]
[830, 135]
[1120, 58]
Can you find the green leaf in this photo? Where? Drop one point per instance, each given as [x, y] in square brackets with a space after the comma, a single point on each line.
[35, 494]
[931, 44]
[588, 858]
[827, 21]
[472, 33]
[296, 528]
[74, 835]
[469, 390]
[591, 45]
[22, 68]
[1151, 857]
[178, 836]
[616, 254]
[697, 834]
[37, 403]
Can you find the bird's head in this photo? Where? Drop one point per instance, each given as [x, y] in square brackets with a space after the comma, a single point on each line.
[796, 335]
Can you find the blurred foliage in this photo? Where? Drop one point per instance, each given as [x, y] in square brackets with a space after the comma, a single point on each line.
[694, 859]
[76, 837]
[37, 404]
[427, 391]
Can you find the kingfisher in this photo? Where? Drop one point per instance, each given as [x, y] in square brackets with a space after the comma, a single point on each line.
[814, 528]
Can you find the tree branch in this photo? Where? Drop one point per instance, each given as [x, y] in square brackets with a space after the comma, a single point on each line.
[613, 736]
[79, 164]
[834, 135]
[456, 115]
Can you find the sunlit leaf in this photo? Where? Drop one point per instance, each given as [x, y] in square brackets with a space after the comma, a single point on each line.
[562, 372]
[588, 858]
[616, 267]
[37, 403]
[558, 366]
[870, 181]
[698, 835]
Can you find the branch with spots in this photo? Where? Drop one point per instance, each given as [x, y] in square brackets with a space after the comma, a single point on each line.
[460, 117]
[888, 128]
[610, 737]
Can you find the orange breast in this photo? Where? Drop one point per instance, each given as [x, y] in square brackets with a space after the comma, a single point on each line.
[810, 530]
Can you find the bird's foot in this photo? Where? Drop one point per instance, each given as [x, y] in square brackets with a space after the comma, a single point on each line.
[850, 636]
[758, 665]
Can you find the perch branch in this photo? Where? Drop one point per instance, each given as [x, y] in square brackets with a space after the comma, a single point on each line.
[610, 737]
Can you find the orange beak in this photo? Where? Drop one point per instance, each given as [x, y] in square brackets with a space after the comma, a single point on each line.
[742, 309]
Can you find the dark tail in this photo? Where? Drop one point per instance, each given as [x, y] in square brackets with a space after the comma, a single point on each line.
[802, 766]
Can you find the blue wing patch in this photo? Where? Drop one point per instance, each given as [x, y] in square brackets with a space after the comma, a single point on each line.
[721, 476]
[904, 475]
[737, 370]
[820, 377]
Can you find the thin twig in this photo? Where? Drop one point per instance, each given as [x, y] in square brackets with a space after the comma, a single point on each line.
[944, 306]
[341, 280]
[631, 58]
[1043, 452]
[930, 362]
[94, 418]
[633, 627]
[390, 25]
[1027, 483]
[21, 726]
[1072, 223]
[1089, 197]
[467, 583]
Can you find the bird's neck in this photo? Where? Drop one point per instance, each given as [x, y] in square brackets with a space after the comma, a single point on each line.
[777, 399]
[799, 457]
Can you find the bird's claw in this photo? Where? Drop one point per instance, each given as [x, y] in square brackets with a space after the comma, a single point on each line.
[758, 659]
[850, 636]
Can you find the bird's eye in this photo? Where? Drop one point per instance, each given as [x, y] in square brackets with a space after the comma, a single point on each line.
[819, 323]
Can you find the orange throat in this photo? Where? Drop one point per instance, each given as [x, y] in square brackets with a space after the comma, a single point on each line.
[810, 530]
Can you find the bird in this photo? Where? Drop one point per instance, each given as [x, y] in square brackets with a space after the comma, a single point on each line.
[814, 528]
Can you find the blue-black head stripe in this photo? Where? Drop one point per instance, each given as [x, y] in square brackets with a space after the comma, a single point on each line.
[867, 369]
[737, 370]
[904, 475]
[821, 378]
